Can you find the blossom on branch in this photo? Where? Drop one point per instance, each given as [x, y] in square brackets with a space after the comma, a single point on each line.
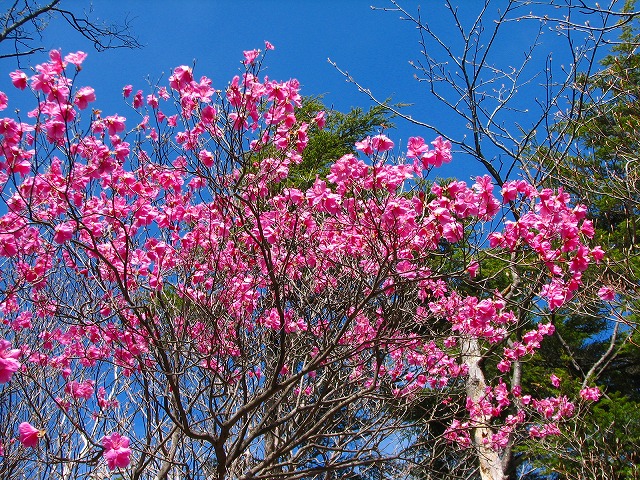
[116, 451]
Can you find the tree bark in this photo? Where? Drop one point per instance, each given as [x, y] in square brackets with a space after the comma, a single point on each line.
[491, 464]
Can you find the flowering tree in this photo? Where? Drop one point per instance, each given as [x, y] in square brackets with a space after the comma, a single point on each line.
[171, 310]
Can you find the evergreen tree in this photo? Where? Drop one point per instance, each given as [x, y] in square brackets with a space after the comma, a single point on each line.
[338, 137]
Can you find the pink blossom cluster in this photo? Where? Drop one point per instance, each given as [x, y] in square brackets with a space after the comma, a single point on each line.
[554, 230]
[116, 451]
[591, 393]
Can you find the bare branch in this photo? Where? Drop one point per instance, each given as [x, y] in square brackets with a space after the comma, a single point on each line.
[25, 20]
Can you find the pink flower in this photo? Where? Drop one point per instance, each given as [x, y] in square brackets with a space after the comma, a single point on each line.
[551, 429]
[206, 157]
[8, 361]
[115, 124]
[76, 58]
[55, 64]
[84, 96]
[116, 451]
[555, 381]
[29, 435]
[534, 432]
[416, 147]
[64, 232]
[320, 119]
[441, 154]
[472, 269]
[555, 292]
[19, 79]
[55, 130]
[458, 432]
[607, 293]
[587, 228]
[546, 328]
[591, 393]
[22, 321]
[450, 342]
[208, 115]
[504, 365]
[250, 56]
[365, 146]
[82, 390]
[126, 90]
[509, 191]
[182, 76]
[137, 99]
[381, 143]
[4, 101]
[597, 253]
[268, 45]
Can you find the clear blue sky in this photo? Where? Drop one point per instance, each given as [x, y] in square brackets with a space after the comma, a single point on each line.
[375, 47]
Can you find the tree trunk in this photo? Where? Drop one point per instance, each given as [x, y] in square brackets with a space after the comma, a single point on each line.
[491, 464]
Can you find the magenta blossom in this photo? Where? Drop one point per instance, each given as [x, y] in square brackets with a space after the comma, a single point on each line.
[416, 147]
[439, 155]
[365, 146]
[29, 435]
[76, 58]
[607, 293]
[250, 56]
[64, 232]
[591, 393]
[8, 361]
[381, 143]
[19, 79]
[84, 96]
[82, 390]
[472, 269]
[116, 451]
[182, 76]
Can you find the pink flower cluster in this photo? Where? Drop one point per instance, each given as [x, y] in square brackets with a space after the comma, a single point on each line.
[591, 393]
[116, 451]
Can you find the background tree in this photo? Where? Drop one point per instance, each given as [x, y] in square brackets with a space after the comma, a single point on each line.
[337, 137]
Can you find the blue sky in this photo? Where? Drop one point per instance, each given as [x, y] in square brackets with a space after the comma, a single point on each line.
[375, 47]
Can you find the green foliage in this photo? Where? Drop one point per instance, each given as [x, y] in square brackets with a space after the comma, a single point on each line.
[337, 138]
